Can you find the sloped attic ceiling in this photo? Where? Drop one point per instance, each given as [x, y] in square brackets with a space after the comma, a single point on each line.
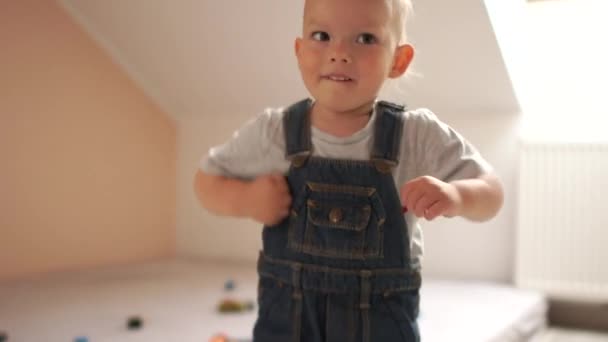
[199, 57]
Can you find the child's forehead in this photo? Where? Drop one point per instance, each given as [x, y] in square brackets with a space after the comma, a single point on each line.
[343, 12]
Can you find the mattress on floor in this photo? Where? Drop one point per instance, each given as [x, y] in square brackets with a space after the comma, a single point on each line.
[178, 300]
[478, 311]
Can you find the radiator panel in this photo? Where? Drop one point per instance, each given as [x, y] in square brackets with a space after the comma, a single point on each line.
[562, 220]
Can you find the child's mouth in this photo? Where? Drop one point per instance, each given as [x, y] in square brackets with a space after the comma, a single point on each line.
[337, 78]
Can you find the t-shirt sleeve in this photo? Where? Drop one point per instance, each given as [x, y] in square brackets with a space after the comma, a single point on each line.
[254, 149]
[441, 152]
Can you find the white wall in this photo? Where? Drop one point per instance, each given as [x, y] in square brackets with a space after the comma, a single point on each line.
[457, 248]
[200, 234]
[254, 67]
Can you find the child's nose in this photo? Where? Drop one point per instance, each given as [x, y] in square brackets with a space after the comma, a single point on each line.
[340, 53]
[341, 59]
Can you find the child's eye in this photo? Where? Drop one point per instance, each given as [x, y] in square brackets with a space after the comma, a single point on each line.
[367, 38]
[320, 36]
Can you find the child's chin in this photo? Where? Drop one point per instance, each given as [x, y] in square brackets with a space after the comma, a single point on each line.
[340, 104]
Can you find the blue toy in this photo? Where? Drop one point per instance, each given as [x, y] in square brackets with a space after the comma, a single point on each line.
[229, 285]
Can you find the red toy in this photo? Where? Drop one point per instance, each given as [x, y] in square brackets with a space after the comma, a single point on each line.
[224, 338]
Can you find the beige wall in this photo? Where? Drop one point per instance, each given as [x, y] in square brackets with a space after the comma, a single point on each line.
[87, 168]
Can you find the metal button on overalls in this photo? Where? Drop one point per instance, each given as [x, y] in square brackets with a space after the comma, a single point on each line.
[335, 215]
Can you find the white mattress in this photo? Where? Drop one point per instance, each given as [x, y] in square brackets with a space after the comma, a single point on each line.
[476, 311]
[177, 301]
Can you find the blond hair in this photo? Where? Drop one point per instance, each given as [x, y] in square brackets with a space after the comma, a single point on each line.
[394, 89]
[402, 10]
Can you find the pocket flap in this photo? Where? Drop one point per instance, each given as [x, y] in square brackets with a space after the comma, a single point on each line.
[339, 215]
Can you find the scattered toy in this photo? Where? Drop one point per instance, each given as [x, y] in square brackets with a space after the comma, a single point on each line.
[224, 338]
[231, 306]
[219, 338]
[134, 323]
[229, 285]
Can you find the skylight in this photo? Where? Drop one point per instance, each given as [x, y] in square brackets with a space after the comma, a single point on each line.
[566, 70]
[557, 59]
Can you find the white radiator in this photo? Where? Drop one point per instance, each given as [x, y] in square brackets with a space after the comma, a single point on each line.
[562, 220]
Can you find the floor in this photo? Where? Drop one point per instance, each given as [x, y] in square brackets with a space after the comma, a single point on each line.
[170, 297]
[563, 335]
[177, 301]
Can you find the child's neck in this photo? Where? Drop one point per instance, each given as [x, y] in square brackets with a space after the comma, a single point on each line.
[341, 124]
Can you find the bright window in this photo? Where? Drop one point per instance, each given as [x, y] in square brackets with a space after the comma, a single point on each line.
[564, 83]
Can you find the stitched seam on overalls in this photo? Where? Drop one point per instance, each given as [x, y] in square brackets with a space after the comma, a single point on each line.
[328, 269]
[414, 284]
[339, 188]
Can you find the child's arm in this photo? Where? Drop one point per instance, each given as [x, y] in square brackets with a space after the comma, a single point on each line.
[477, 199]
[265, 199]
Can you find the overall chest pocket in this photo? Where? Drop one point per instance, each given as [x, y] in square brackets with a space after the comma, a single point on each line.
[339, 221]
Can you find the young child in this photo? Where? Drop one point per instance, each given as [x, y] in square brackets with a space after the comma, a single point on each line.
[331, 177]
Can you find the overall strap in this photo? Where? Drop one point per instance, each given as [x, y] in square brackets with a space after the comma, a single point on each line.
[387, 135]
[296, 127]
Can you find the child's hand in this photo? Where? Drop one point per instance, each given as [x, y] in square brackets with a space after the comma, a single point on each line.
[269, 199]
[430, 197]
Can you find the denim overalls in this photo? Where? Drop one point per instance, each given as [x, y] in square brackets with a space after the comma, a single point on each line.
[338, 269]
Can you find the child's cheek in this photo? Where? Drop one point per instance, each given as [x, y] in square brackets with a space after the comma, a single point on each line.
[315, 51]
[374, 63]
[313, 58]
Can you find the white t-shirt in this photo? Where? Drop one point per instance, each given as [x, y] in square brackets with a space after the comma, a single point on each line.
[428, 147]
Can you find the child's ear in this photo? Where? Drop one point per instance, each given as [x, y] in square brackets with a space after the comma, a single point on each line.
[297, 45]
[403, 57]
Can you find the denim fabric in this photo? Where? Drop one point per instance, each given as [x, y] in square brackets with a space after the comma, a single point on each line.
[338, 268]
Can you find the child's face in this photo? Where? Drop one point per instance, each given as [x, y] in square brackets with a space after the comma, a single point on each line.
[347, 51]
